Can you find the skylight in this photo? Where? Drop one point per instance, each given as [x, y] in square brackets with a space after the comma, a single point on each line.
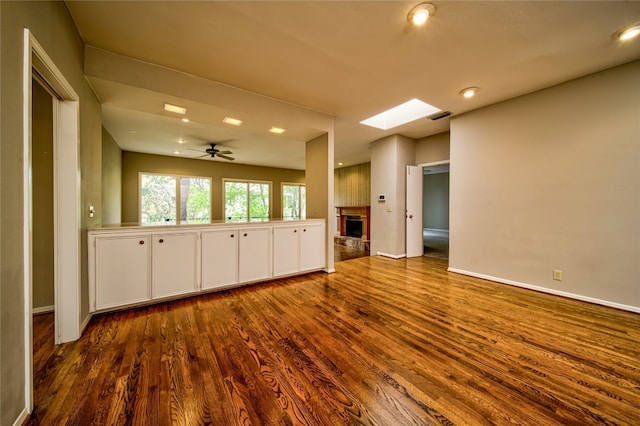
[401, 114]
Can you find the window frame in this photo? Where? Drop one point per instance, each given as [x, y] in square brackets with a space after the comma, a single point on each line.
[247, 182]
[177, 178]
[299, 185]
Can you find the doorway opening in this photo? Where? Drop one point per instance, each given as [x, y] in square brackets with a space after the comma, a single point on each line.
[427, 210]
[435, 211]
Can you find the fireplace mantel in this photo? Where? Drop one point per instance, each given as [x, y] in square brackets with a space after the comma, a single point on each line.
[362, 212]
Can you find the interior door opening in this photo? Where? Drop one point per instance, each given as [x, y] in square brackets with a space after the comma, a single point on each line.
[427, 210]
[435, 216]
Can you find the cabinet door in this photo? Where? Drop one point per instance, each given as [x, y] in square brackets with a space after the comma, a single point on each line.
[285, 250]
[254, 259]
[122, 270]
[174, 264]
[219, 258]
[312, 246]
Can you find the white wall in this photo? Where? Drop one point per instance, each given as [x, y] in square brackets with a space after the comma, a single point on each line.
[433, 148]
[551, 180]
[389, 158]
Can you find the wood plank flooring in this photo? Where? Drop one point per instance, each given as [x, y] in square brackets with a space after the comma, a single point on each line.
[380, 342]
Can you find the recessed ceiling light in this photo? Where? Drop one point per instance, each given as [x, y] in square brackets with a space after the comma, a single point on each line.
[419, 14]
[469, 92]
[340, 163]
[175, 108]
[180, 140]
[627, 33]
[401, 114]
[176, 152]
[186, 120]
[277, 130]
[232, 121]
[133, 132]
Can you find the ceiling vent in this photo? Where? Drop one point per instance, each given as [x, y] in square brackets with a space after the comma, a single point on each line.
[439, 115]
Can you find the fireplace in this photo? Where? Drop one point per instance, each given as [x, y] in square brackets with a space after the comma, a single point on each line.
[353, 226]
[353, 221]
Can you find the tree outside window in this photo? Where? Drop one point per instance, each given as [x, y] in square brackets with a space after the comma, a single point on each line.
[246, 201]
[294, 201]
[159, 195]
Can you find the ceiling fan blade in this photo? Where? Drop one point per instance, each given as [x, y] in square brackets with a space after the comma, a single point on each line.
[225, 152]
[225, 157]
[206, 155]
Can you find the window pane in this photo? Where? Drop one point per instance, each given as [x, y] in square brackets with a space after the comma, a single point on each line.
[303, 202]
[157, 199]
[259, 201]
[290, 202]
[195, 200]
[236, 200]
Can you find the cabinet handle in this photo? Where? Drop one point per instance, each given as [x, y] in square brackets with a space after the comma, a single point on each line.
[161, 241]
[304, 230]
[141, 242]
[245, 234]
[295, 230]
[233, 235]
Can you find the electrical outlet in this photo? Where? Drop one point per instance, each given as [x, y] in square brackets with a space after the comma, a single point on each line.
[557, 275]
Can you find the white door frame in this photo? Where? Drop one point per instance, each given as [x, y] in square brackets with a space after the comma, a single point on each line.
[66, 204]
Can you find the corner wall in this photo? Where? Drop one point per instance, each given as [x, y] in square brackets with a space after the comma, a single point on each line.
[551, 180]
[389, 158]
[53, 27]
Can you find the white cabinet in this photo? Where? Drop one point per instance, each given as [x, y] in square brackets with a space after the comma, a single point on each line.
[285, 250]
[254, 254]
[133, 265]
[122, 270]
[297, 248]
[219, 258]
[174, 264]
[312, 246]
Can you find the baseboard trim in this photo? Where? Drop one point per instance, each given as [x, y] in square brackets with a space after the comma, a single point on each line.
[85, 323]
[24, 415]
[580, 297]
[392, 256]
[43, 310]
[329, 271]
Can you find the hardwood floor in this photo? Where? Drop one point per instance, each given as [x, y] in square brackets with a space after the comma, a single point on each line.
[381, 342]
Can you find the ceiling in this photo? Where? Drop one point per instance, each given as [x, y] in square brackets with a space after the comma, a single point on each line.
[347, 60]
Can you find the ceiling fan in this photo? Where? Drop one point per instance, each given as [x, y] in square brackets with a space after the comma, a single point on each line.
[216, 153]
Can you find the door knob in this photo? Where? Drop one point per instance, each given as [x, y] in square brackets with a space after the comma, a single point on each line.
[410, 216]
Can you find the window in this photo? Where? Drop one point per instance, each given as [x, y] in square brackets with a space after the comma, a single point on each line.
[174, 199]
[294, 201]
[246, 201]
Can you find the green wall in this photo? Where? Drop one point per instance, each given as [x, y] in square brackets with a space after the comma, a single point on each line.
[134, 163]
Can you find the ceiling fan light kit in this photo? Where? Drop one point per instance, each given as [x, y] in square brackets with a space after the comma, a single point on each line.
[214, 152]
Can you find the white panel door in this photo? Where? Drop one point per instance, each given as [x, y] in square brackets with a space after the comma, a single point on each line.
[174, 264]
[219, 258]
[254, 259]
[122, 270]
[312, 247]
[414, 239]
[285, 250]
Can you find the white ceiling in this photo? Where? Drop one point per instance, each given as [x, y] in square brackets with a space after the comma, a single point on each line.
[346, 59]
